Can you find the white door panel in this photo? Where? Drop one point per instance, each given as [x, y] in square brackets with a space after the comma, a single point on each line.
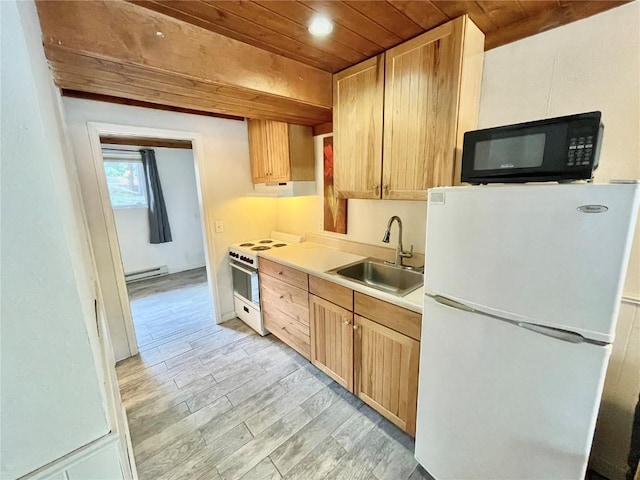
[502, 402]
[528, 252]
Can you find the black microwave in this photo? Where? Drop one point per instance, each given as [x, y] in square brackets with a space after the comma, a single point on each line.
[561, 149]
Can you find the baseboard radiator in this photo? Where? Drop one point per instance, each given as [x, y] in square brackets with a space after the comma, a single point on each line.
[146, 273]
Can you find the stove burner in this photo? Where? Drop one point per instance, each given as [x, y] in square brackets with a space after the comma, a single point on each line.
[266, 241]
[279, 245]
[260, 248]
[246, 244]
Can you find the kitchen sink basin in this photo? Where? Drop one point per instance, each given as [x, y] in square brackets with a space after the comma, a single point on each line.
[382, 276]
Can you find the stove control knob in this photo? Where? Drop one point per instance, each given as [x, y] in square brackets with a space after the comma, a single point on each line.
[251, 260]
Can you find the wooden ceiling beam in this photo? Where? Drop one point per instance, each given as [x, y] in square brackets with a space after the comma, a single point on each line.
[96, 97]
[82, 73]
[565, 12]
[144, 94]
[120, 36]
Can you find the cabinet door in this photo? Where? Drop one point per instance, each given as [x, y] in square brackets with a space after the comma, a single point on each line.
[386, 368]
[357, 125]
[258, 150]
[332, 340]
[422, 98]
[278, 142]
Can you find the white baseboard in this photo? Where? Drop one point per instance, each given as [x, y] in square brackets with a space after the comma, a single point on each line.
[631, 299]
[182, 268]
[59, 468]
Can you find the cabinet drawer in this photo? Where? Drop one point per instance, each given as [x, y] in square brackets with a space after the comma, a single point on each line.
[341, 296]
[290, 300]
[288, 330]
[397, 318]
[286, 274]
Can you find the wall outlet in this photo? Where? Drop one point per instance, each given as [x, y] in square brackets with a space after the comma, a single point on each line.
[219, 226]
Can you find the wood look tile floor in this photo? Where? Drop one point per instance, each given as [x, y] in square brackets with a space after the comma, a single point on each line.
[208, 401]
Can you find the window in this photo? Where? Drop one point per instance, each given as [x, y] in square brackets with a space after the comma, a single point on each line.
[126, 183]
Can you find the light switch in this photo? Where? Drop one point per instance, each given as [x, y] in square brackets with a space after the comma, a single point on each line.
[219, 226]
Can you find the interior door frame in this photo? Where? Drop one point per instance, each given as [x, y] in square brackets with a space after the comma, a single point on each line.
[95, 129]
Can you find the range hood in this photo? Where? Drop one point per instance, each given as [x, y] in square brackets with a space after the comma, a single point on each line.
[284, 189]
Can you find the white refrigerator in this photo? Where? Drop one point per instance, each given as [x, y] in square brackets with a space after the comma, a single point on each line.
[522, 288]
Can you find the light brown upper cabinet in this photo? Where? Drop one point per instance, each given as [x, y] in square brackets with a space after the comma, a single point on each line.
[358, 94]
[280, 152]
[431, 95]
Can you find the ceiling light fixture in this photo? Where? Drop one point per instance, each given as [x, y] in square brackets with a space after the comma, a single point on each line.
[320, 26]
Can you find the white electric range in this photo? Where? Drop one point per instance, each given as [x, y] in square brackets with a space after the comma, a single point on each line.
[243, 259]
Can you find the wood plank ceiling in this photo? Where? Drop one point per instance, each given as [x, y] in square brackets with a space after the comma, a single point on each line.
[256, 59]
[365, 28]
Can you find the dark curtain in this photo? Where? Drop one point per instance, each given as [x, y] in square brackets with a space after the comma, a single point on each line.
[634, 452]
[159, 230]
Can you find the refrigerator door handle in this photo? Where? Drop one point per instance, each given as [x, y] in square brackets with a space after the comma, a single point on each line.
[452, 303]
[566, 335]
[558, 333]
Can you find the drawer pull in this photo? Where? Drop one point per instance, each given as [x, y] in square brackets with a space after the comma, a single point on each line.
[279, 273]
[281, 297]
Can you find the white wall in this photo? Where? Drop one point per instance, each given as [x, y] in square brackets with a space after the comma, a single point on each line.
[366, 219]
[52, 400]
[176, 169]
[223, 181]
[593, 64]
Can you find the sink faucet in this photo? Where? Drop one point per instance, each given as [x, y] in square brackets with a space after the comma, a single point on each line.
[400, 254]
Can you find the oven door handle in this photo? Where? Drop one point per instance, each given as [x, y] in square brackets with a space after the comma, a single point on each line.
[238, 267]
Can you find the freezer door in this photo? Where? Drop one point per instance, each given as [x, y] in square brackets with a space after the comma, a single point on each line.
[503, 402]
[549, 254]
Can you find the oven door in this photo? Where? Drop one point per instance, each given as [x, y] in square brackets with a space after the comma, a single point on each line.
[245, 282]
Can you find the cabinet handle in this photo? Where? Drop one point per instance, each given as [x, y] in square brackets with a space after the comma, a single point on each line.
[356, 327]
[376, 189]
[281, 297]
[347, 322]
[279, 273]
[386, 190]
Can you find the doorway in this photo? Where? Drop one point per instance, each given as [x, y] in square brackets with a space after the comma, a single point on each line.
[101, 220]
[166, 278]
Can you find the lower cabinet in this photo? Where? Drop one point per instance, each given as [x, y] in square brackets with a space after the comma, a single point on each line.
[368, 346]
[386, 372]
[332, 340]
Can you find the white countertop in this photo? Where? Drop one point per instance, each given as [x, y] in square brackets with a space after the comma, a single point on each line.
[317, 259]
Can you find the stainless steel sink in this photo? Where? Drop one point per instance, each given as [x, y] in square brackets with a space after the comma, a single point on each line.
[381, 276]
